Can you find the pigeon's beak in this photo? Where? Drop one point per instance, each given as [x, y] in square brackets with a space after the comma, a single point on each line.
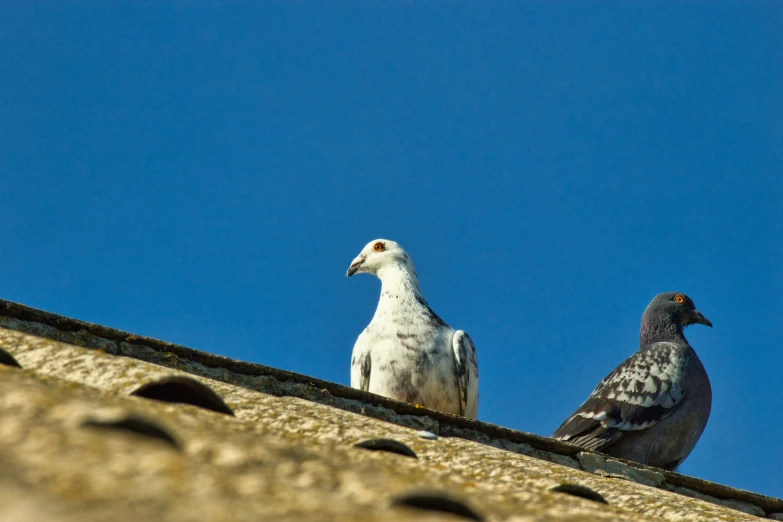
[697, 317]
[355, 264]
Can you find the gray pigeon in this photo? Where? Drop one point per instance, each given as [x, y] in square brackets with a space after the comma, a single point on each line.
[652, 408]
[407, 352]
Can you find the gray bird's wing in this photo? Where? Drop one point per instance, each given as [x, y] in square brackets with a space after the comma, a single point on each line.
[467, 373]
[644, 389]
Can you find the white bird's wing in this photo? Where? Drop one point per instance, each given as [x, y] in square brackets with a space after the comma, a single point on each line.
[361, 366]
[467, 373]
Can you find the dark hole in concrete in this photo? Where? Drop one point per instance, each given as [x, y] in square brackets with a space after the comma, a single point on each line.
[135, 425]
[8, 359]
[579, 491]
[436, 501]
[392, 446]
[183, 390]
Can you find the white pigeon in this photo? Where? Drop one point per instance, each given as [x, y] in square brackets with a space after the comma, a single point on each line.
[407, 352]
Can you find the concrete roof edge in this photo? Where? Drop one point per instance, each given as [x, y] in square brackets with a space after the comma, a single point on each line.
[455, 425]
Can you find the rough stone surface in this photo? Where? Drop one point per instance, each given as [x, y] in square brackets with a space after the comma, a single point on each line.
[608, 467]
[295, 411]
[739, 505]
[281, 457]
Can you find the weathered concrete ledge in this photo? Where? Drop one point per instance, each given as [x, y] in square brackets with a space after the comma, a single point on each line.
[283, 383]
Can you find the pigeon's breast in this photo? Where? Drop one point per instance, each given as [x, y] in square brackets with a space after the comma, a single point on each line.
[415, 364]
[670, 441]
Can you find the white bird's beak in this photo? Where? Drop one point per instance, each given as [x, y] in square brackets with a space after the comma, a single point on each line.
[355, 264]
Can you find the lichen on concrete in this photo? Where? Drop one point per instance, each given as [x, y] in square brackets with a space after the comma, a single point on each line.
[280, 456]
[608, 467]
[470, 458]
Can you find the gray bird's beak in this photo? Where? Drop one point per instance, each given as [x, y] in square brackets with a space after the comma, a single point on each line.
[697, 317]
[355, 264]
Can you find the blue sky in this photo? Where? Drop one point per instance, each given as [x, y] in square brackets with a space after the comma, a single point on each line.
[205, 172]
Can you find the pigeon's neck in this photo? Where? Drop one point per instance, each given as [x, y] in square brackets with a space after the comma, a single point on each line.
[397, 282]
[401, 308]
[400, 296]
[657, 328]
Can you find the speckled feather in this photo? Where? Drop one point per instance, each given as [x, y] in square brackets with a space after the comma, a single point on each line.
[644, 389]
[654, 406]
[408, 352]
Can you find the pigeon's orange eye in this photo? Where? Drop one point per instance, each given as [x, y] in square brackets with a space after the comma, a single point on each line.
[378, 247]
[679, 298]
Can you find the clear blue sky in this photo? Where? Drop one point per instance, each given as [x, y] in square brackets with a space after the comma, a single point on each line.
[204, 172]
